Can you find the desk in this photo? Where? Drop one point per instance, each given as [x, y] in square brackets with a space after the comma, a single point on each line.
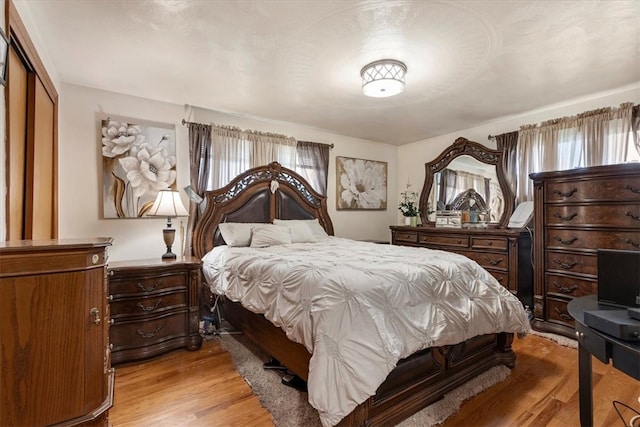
[625, 355]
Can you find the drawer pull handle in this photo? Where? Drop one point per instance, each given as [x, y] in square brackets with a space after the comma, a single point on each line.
[492, 262]
[565, 289]
[96, 315]
[632, 189]
[149, 334]
[459, 242]
[565, 218]
[148, 308]
[565, 265]
[567, 194]
[636, 217]
[489, 243]
[149, 289]
[570, 241]
[562, 314]
[632, 243]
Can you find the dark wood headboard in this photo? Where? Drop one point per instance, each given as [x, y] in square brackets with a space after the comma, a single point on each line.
[249, 198]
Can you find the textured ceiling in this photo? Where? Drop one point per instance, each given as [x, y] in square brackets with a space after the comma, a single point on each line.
[299, 61]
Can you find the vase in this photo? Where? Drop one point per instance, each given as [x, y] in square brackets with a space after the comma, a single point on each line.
[414, 221]
[407, 220]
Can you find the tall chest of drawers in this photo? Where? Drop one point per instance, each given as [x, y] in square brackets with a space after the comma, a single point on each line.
[154, 307]
[576, 213]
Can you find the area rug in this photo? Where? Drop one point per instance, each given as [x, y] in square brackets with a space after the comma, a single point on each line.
[559, 339]
[290, 408]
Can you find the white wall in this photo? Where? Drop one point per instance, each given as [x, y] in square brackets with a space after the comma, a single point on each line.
[412, 157]
[80, 113]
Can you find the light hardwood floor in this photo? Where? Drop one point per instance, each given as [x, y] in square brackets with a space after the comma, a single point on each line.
[202, 388]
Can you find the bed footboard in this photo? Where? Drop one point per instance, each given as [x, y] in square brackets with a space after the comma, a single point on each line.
[418, 380]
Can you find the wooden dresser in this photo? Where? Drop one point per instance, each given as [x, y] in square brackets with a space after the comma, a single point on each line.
[577, 212]
[154, 307]
[504, 252]
[54, 360]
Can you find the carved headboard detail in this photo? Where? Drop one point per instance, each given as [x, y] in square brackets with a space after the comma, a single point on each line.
[261, 194]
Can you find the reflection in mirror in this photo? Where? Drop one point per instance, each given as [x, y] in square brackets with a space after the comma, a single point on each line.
[467, 184]
[467, 179]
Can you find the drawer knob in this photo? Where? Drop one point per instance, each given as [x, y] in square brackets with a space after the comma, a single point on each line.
[632, 243]
[565, 265]
[111, 273]
[111, 321]
[147, 289]
[567, 242]
[636, 217]
[565, 218]
[565, 289]
[149, 334]
[632, 189]
[490, 243]
[459, 242]
[148, 308]
[567, 194]
[492, 261]
[579, 334]
[563, 315]
[96, 315]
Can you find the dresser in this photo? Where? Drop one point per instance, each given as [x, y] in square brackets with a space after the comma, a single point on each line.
[576, 213]
[154, 307]
[54, 339]
[503, 252]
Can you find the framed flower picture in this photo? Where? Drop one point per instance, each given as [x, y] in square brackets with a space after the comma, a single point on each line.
[362, 184]
[138, 160]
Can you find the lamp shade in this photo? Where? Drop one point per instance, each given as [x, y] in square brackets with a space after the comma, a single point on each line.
[168, 204]
[384, 78]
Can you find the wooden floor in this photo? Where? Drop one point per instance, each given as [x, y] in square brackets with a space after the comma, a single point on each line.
[202, 388]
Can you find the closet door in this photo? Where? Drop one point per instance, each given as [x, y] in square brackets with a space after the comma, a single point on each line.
[32, 211]
[16, 146]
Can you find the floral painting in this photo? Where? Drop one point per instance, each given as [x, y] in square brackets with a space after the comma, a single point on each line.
[138, 161]
[362, 184]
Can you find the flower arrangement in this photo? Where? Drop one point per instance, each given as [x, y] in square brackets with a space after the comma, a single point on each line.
[407, 204]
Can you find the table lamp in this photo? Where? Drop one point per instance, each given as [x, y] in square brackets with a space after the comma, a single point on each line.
[168, 204]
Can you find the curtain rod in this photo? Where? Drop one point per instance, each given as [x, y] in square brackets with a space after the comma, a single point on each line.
[184, 123]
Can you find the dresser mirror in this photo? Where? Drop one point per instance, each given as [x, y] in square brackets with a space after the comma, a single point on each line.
[467, 176]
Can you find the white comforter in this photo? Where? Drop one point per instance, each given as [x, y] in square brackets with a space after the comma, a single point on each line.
[360, 307]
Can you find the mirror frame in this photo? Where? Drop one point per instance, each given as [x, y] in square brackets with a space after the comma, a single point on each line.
[461, 147]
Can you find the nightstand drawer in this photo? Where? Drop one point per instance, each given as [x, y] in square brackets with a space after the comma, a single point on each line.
[146, 285]
[150, 305]
[142, 333]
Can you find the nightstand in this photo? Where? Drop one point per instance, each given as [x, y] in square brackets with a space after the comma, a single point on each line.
[154, 307]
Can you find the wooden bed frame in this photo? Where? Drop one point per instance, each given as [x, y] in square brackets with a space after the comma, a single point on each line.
[416, 382]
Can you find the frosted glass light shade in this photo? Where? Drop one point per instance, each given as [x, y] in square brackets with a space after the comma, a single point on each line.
[384, 78]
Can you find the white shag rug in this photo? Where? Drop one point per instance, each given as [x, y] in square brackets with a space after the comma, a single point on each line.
[559, 339]
[290, 408]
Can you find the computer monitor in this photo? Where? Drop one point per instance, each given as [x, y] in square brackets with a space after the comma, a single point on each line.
[619, 278]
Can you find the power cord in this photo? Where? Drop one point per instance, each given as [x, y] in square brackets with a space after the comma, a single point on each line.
[633, 421]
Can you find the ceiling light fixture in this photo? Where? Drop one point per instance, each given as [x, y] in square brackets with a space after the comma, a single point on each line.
[383, 78]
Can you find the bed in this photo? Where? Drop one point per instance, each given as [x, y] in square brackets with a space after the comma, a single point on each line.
[270, 192]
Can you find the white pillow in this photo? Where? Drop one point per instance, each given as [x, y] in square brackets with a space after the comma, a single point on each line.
[237, 234]
[297, 224]
[269, 235]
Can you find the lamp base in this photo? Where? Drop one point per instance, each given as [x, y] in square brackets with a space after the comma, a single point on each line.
[169, 234]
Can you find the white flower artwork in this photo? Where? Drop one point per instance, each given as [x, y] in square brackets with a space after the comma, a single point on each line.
[138, 161]
[362, 184]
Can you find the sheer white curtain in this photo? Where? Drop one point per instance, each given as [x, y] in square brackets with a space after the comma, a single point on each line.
[599, 137]
[235, 151]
